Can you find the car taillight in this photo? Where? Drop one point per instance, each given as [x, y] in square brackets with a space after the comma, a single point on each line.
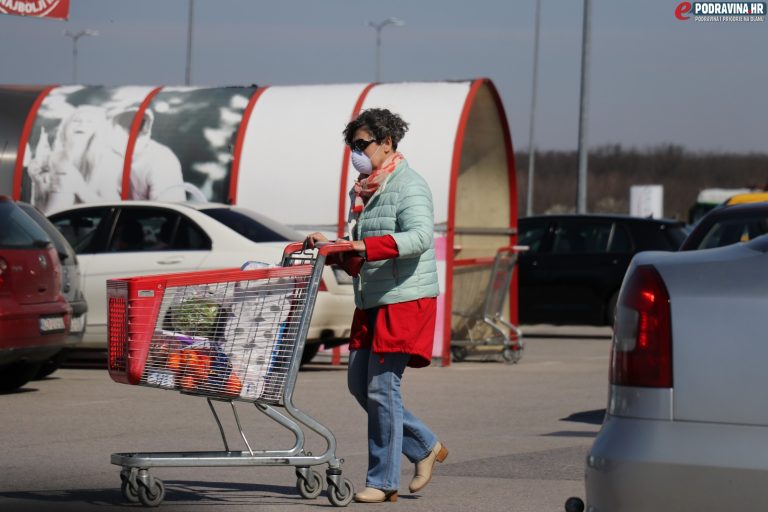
[642, 344]
[3, 273]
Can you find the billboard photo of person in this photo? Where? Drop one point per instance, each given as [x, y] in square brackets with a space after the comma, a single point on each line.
[73, 126]
[155, 169]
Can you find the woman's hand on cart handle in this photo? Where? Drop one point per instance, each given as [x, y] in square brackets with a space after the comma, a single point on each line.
[315, 238]
[318, 240]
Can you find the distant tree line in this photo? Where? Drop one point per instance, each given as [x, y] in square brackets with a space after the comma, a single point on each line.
[613, 169]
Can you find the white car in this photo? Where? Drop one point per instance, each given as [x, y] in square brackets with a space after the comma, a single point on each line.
[131, 238]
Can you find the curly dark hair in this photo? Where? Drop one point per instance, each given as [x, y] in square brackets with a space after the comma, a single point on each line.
[380, 122]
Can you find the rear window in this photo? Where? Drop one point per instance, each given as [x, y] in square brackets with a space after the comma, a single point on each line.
[732, 231]
[62, 246]
[19, 230]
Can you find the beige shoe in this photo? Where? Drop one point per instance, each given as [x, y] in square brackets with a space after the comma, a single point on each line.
[371, 495]
[424, 467]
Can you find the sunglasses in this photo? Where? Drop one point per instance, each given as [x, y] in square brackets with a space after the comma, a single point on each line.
[361, 144]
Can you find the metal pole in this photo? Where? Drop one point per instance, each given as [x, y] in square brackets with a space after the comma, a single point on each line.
[378, 53]
[188, 77]
[581, 201]
[75, 37]
[74, 58]
[531, 126]
[379, 27]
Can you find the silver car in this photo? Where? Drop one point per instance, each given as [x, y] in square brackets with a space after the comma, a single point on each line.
[687, 420]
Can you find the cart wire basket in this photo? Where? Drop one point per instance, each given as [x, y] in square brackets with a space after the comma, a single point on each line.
[231, 335]
[478, 326]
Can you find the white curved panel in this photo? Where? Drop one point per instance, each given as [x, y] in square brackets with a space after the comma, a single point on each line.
[432, 110]
[290, 166]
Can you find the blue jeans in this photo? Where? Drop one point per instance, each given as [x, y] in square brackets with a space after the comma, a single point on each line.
[374, 381]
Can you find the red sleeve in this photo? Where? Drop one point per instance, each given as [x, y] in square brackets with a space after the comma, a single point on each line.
[380, 248]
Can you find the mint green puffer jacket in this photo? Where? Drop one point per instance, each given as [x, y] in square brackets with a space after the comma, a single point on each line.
[402, 207]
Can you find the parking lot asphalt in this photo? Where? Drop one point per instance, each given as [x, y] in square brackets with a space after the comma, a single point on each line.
[517, 435]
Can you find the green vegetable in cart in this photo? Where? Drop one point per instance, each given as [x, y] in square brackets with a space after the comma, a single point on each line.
[196, 316]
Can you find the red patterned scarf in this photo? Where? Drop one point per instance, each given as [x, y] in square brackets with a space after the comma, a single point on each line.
[365, 188]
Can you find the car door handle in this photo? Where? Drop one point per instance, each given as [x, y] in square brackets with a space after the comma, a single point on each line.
[170, 261]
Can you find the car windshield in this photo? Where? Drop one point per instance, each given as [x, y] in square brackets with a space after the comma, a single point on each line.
[19, 230]
[251, 225]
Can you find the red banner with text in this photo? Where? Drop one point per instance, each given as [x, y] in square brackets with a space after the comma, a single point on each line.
[36, 8]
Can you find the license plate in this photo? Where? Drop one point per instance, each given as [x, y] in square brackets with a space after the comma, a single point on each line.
[77, 324]
[52, 323]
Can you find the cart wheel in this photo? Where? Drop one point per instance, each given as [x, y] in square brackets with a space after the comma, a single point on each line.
[152, 497]
[311, 488]
[512, 355]
[341, 497]
[459, 353]
[129, 492]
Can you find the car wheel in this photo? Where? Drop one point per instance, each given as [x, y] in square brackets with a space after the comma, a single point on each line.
[310, 351]
[51, 365]
[610, 309]
[15, 375]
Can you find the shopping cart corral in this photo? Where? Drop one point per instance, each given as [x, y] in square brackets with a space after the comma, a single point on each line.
[481, 289]
[230, 336]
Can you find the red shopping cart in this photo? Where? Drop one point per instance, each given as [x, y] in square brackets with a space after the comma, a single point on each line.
[230, 336]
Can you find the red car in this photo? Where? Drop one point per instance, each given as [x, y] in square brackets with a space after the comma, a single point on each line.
[34, 316]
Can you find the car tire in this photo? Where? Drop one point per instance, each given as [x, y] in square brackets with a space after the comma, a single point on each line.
[51, 365]
[610, 308]
[15, 375]
[310, 351]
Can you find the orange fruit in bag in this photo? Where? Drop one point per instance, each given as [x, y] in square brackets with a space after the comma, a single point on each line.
[174, 362]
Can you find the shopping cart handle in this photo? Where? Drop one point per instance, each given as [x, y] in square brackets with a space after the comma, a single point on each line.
[325, 248]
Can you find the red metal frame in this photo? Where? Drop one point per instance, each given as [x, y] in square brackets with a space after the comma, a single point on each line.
[132, 136]
[18, 170]
[342, 219]
[234, 174]
[450, 237]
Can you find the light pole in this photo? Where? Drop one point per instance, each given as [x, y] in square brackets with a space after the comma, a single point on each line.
[75, 36]
[531, 127]
[190, 22]
[379, 26]
[581, 182]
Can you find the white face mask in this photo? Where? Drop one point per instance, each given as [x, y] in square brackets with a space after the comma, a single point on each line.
[362, 163]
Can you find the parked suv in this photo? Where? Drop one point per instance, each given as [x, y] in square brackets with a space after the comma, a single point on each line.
[34, 315]
[70, 287]
[575, 265]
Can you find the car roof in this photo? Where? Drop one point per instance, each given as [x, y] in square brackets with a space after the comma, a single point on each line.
[754, 197]
[119, 203]
[738, 210]
[603, 216]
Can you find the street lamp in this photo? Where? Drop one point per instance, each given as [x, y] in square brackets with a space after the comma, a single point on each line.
[379, 26]
[75, 36]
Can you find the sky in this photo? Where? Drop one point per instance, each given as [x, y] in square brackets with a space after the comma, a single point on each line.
[653, 78]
